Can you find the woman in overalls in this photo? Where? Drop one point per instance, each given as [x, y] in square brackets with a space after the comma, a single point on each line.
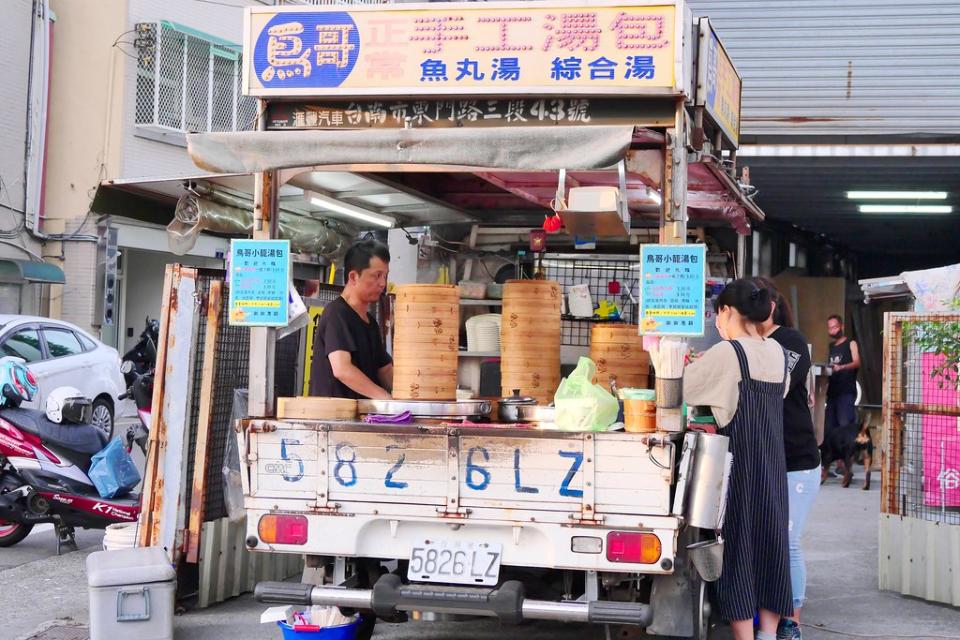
[743, 380]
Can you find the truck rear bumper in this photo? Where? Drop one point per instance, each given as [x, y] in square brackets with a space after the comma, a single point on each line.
[507, 602]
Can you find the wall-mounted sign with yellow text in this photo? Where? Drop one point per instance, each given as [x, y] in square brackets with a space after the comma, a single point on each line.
[508, 49]
[719, 85]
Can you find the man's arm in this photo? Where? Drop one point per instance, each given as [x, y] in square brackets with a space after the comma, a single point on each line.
[855, 354]
[346, 372]
[385, 374]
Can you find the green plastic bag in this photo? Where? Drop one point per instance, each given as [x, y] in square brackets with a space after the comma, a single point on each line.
[582, 405]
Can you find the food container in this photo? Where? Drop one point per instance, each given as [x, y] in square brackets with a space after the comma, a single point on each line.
[640, 410]
[495, 291]
[473, 290]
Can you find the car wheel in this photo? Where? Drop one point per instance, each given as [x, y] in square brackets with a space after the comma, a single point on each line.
[12, 532]
[102, 418]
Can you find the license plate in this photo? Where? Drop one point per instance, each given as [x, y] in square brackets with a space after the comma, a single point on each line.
[473, 563]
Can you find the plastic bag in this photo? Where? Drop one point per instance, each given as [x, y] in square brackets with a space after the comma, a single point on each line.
[112, 471]
[232, 483]
[582, 405]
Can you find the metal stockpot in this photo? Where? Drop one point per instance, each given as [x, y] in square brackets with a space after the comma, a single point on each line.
[708, 481]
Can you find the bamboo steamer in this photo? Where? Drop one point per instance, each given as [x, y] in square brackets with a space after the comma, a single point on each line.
[313, 408]
[425, 342]
[530, 339]
[618, 351]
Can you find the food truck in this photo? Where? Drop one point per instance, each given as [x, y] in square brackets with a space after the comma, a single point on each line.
[614, 115]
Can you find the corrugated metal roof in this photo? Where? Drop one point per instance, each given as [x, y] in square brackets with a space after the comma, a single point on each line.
[843, 67]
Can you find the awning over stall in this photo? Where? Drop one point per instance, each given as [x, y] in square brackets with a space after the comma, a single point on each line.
[19, 271]
[520, 148]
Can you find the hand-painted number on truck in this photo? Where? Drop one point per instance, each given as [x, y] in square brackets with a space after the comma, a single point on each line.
[477, 476]
[346, 456]
[285, 445]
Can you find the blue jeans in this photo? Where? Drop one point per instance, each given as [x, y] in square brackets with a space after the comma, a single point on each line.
[803, 487]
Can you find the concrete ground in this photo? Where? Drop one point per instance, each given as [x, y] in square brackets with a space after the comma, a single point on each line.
[843, 602]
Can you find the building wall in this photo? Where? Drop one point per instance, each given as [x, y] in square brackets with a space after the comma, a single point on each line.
[15, 64]
[85, 99]
[843, 67]
[145, 156]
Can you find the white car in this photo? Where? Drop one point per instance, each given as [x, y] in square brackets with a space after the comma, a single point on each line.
[62, 355]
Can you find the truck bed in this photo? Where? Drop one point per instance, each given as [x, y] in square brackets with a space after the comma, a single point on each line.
[373, 490]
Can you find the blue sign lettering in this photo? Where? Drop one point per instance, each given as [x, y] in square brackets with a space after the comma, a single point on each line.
[516, 475]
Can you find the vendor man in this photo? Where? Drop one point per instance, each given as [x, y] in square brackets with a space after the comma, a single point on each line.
[349, 359]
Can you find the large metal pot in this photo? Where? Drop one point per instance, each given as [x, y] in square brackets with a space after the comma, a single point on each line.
[515, 408]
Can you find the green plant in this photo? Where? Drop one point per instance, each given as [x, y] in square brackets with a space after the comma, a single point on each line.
[942, 337]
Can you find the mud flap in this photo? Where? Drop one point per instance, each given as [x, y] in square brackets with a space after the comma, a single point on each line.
[672, 602]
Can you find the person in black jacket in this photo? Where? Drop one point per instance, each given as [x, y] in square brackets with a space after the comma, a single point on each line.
[800, 446]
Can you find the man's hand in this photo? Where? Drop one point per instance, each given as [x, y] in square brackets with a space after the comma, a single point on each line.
[346, 372]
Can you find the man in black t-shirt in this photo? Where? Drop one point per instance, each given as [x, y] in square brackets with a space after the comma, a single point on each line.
[840, 421]
[349, 359]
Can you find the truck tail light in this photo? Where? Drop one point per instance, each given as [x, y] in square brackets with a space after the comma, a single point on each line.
[637, 548]
[283, 529]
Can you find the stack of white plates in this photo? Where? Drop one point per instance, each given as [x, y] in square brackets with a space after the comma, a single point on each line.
[483, 333]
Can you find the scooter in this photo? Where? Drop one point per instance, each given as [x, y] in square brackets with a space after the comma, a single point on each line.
[43, 474]
[141, 391]
[143, 355]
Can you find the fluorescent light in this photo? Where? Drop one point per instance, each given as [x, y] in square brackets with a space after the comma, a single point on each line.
[906, 208]
[351, 211]
[897, 195]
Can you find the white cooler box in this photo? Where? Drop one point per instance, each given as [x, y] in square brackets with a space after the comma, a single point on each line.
[131, 594]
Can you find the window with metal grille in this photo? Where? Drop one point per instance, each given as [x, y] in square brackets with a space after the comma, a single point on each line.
[189, 81]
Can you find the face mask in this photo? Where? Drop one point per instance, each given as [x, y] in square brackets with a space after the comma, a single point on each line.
[835, 335]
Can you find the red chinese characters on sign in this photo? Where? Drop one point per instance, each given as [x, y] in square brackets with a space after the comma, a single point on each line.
[572, 32]
[385, 47]
[639, 31]
[505, 44]
[438, 30]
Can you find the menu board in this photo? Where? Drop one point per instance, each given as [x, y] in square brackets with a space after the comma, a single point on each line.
[672, 289]
[259, 282]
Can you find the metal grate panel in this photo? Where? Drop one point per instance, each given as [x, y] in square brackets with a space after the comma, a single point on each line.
[597, 272]
[922, 418]
[189, 82]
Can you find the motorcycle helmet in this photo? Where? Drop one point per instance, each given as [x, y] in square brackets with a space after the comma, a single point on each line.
[17, 383]
[68, 405]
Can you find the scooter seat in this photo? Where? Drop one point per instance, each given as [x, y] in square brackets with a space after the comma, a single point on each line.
[80, 438]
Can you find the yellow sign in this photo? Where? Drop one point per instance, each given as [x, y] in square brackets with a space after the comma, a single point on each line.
[520, 49]
[719, 85]
[315, 313]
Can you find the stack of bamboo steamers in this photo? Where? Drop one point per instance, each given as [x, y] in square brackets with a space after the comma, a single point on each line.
[530, 339]
[426, 342]
[426, 339]
[618, 352]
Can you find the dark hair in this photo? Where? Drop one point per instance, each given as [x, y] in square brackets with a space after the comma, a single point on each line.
[361, 253]
[750, 301]
[837, 318]
[782, 311]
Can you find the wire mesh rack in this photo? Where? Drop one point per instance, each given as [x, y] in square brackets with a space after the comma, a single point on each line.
[921, 474]
[231, 371]
[615, 278]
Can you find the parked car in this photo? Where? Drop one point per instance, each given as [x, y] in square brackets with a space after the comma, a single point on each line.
[61, 355]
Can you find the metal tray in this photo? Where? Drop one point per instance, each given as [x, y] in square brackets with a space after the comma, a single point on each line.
[427, 408]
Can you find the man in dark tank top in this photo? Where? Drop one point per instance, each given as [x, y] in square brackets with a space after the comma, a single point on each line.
[840, 423]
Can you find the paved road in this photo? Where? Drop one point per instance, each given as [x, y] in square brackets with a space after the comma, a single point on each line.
[844, 600]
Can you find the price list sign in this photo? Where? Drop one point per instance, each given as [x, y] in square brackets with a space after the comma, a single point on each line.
[259, 282]
[673, 280]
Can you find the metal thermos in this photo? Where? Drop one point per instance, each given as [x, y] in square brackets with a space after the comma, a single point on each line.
[708, 481]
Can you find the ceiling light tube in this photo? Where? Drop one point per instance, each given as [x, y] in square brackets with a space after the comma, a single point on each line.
[906, 208]
[896, 195]
[351, 211]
